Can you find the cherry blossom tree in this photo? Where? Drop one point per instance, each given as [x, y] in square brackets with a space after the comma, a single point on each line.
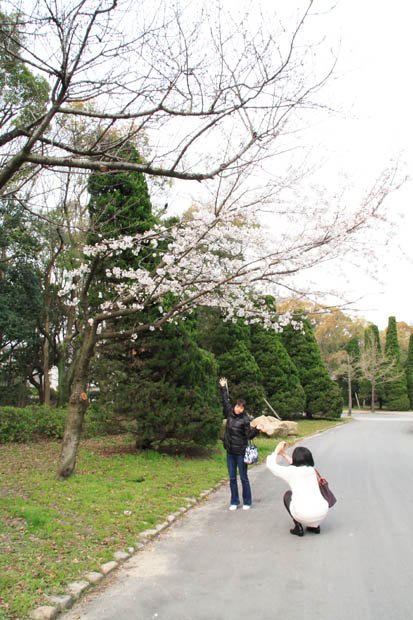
[206, 95]
[211, 89]
[215, 255]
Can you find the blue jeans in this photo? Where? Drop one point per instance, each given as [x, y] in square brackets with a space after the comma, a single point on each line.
[234, 461]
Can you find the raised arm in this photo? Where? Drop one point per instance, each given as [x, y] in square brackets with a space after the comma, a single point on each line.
[283, 453]
[280, 470]
[223, 384]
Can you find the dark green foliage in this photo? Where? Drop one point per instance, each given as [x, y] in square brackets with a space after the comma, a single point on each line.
[119, 205]
[396, 396]
[279, 374]
[23, 96]
[34, 422]
[119, 201]
[372, 335]
[323, 396]
[167, 385]
[20, 274]
[31, 311]
[20, 278]
[20, 304]
[27, 423]
[238, 365]
[392, 349]
[18, 237]
[409, 371]
[230, 342]
[164, 382]
[217, 335]
[353, 348]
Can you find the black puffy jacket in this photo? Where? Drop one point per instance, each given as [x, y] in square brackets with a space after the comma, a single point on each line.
[238, 429]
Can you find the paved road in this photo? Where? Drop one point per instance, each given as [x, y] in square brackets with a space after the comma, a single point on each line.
[221, 565]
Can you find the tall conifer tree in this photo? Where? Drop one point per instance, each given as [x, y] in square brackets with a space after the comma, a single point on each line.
[352, 371]
[244, 376]
[409, 371]
[230, 342]
[396, 397]
[119, 201]
[165, 383]
[323, 397]
[279, 374]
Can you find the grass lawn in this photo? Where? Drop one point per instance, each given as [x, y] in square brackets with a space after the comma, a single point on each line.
[51, 532]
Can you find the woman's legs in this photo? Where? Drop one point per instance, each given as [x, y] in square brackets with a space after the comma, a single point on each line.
[235, 461]
[298, 528]
[246, 487]
[232, 473]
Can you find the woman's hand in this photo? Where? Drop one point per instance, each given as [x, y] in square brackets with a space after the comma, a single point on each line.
[280, 447]
[223, 382]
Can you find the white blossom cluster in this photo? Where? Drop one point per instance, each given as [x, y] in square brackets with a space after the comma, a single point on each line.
[217, 256]
[217, 260]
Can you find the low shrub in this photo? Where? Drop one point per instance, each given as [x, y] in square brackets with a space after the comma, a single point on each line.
[23, 424]
[20, 424]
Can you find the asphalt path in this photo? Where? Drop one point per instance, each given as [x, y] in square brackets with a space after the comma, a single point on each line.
[219, 565]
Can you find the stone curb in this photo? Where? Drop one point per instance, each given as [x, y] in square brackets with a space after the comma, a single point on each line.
[76, 589]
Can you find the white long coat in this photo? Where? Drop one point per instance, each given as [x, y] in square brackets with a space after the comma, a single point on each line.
[307, 506]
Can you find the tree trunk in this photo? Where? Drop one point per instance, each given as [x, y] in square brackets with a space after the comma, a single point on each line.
[46, 366]
[64, 367]
[46, 326]
[373, 396]
[78, 403]
[63, 376]
[350, 396]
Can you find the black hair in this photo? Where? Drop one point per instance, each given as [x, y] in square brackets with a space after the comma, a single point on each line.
[302, 456]
[240, 401]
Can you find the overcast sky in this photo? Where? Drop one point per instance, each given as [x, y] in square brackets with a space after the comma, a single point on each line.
[373, 88]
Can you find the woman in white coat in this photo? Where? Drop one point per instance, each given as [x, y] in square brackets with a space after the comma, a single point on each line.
[303, 501]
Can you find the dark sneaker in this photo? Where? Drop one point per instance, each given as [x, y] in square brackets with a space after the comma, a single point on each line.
[297, 530]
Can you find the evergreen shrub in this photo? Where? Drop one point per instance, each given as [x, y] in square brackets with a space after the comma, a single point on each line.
[323, 397]
[396, 389]
[279, 374]
[34, 422]
[230, 342]
[238, 365]
[165, 389]
[409, 371]
[22, 424]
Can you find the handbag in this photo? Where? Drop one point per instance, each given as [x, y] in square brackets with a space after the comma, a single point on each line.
[325, 490]
[251, 454]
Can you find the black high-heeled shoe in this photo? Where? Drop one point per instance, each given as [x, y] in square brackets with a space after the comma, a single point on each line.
[314, 530]
[297, 530]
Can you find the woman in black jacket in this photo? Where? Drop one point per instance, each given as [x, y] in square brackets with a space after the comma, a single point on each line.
[237, 433]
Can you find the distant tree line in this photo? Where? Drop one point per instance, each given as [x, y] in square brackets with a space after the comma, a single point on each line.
[373, 369]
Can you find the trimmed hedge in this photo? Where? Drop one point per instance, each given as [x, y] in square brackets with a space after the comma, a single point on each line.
[23, 424]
